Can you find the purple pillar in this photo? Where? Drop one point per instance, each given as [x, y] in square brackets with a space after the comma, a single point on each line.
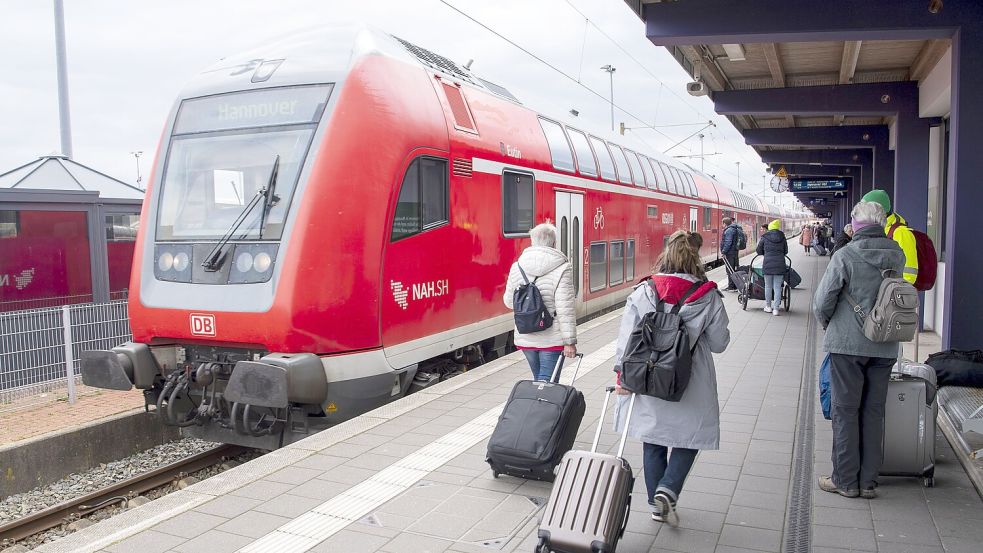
[911, 167]
[961, 244]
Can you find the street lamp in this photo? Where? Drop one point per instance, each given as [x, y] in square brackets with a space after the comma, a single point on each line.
[610, 69]
[739, 183]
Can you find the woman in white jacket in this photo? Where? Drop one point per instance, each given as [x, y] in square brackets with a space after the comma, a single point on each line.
[551, 271]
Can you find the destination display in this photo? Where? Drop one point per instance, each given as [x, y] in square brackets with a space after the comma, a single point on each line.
[817, 185]
[260, 108]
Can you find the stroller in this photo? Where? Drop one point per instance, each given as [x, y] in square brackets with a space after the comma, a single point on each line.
[750, 282]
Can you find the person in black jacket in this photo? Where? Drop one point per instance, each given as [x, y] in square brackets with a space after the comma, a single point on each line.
[774, 247]
[843, 238]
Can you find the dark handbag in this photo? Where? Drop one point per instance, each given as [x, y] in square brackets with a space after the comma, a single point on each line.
[658, 359]
[957, 368]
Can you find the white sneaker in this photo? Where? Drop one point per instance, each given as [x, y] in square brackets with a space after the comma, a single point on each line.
[774, 312]
[766, 309]
[667, 509]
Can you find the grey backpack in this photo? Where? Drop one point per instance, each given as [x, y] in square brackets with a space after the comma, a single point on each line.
[894, 317]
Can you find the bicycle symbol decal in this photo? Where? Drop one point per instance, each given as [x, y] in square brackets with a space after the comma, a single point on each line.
[598, 219]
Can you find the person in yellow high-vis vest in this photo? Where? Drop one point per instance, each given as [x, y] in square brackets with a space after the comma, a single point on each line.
[897, 228]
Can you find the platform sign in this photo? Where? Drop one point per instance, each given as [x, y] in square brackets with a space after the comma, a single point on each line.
[818, 185]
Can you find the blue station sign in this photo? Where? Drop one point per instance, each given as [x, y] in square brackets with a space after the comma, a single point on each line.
[817, 185]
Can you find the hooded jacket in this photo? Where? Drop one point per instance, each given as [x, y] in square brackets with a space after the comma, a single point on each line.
[906, 240]
[555, 283]
[694, 421]
[728, 243]
[774, 247]
[856, 269]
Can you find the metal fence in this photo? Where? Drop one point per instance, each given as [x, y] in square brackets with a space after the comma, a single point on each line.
[39, 346]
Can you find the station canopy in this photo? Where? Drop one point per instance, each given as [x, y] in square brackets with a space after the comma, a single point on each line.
[62, 173]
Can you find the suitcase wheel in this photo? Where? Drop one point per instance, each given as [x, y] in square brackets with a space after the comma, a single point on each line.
[494, 474]
[928, 481]
[543, 546]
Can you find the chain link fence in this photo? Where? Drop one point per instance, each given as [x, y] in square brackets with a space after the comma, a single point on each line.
[39, 346]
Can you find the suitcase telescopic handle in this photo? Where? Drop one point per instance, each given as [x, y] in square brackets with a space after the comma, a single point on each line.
[555, 378]
[624, 433]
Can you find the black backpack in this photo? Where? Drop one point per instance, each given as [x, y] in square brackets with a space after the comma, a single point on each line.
[741, 240]
[658, 359]
[530, 312]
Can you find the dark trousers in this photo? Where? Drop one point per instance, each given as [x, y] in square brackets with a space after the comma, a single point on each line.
[858, 387]
[732, 259]
[666, 472]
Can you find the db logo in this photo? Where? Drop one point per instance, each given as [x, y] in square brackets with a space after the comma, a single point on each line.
[202, 324]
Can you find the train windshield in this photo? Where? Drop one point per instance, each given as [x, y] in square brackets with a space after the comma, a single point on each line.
[222, 153]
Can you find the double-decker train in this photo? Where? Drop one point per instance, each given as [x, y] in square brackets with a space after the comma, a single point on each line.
[331, 220]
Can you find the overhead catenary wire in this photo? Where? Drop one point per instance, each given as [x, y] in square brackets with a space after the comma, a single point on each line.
[643, 66]
[548, 64]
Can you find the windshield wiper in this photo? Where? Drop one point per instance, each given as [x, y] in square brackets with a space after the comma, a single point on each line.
[213, 261]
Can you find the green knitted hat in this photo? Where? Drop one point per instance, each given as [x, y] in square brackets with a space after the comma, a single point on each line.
[879, 197]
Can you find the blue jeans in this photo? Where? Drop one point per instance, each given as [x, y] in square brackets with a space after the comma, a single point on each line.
[542, 363]
[665, 472]
[773, 290]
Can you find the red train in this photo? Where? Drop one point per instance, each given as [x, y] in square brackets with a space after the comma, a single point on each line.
[331, 220]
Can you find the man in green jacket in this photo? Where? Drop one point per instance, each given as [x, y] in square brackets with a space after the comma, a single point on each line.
[897, 229]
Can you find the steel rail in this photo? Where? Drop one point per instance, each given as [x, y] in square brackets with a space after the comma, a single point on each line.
[72, 509]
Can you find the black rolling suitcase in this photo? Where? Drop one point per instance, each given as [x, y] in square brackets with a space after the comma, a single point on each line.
[537, 426]
[588, 508]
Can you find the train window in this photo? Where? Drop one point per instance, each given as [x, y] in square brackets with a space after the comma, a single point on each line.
[647, 170]
[692, 185]
[680, 186]
[653, 211]
[423, 198]
[9, 223]
[617, 262]
[559, 147]
[518, 201]
[624, 174]
[660, 177]
[598, 266]
[707, 214]
[604, 159]
[630, 261]
[564, 235]
[585, 158]
[670, 183]
[636, 168]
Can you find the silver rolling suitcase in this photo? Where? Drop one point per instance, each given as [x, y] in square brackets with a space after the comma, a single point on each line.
[589, 505]
[909, 422]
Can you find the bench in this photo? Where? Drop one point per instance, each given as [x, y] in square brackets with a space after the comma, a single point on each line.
[964, 408]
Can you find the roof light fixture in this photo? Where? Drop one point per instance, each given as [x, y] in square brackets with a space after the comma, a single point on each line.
[735, 52]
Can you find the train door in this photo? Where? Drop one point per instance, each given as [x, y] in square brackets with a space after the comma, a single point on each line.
[570, 226]
[694, 214]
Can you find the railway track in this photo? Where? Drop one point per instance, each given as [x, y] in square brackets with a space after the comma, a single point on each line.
[73, 509]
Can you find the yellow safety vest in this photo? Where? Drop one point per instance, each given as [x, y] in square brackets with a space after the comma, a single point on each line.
[906, 239]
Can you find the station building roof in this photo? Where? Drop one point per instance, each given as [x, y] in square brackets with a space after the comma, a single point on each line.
[63, 174]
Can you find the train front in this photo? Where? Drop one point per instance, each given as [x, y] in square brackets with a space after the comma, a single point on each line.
[230, 306]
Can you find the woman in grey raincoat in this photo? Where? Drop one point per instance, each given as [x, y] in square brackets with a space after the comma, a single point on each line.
[693, 423]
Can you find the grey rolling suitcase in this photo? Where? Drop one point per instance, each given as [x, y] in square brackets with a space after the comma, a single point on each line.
[588, 507]
[909, 422]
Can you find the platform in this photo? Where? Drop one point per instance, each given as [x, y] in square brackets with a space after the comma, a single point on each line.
[410, 477]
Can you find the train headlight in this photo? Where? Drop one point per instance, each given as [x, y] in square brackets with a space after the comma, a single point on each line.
[262, 262]
[165, 261]
[173, 262]
[244, 262]
[253, 263]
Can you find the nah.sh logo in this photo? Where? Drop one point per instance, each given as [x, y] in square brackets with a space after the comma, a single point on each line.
[418, 291]
[21, 280]
[202, 324]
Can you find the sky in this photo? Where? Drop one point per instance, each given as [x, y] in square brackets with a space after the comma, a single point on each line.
[128, 61]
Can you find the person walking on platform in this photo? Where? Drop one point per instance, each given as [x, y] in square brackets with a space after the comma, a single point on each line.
[843, 238]
[897, 229]
[730, 247]
[673, 432]
[546, 268]
[805, 238]
[859, 368]
[773, 245]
